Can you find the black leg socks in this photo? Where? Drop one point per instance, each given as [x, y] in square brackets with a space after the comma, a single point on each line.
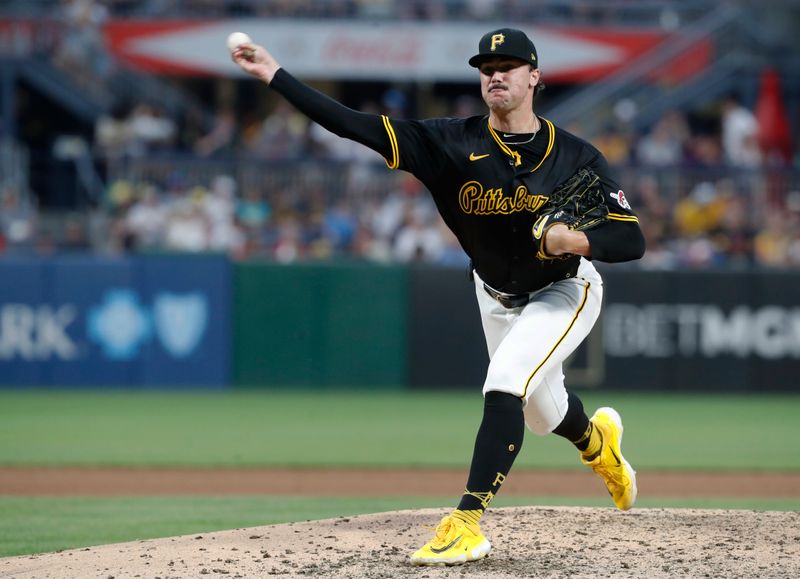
[496, 446]
[576, 426]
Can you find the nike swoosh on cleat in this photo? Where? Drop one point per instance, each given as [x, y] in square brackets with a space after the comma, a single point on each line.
[474, 157]
[448, 546]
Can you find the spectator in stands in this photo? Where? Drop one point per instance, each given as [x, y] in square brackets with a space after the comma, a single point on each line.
[327, 145]
[187, 227]
[389, 212]
[253, 211]
[773, 241]
[112, 133]
[318, 245]
[651, 199]
[659, 256]
[254, 216]
[367, 245]
[150, 129]
[663, 145]
[339, 226]
[283, 134]
[699, 212]
[616, 143]
[451, 254]
[145, 220]
[288, 246]
[703, 150]
[418, 239]
[793, 247]
[735, 235]
[75, 237]
[18, 220]
[698, 252]
[219, 205]
[655, 219]
[739, 134]
[221, 138]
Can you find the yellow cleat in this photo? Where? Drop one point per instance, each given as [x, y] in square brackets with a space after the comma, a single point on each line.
[456, 542]
[616, 472]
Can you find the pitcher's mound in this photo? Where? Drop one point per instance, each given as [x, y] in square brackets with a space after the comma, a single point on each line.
[527, 542]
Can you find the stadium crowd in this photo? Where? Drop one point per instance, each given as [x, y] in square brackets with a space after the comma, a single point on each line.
[709, 189]
[708, 194]
[567, 11]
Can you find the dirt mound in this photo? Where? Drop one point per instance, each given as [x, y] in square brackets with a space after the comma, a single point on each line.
[528, 542]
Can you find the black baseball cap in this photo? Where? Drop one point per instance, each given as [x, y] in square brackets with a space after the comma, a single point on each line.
[508, 42]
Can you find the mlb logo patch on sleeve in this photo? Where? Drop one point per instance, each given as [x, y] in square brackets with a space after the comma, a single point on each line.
[620, 197]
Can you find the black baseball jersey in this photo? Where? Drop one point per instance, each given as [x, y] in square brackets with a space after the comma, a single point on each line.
[487, 189]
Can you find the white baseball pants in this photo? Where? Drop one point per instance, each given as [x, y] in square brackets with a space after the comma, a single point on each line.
[528, 345]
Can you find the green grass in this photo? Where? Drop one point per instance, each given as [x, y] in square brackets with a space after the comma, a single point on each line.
[380, 429]
[329, 429]
[43, 524]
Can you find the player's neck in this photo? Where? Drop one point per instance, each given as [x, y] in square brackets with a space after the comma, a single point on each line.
[516, 121]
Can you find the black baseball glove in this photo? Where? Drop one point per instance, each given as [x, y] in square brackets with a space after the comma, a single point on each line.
[579, 203]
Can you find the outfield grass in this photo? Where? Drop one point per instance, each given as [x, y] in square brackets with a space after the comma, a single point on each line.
[380, 429]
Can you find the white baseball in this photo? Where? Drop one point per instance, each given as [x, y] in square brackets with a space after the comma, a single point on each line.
[235, 39]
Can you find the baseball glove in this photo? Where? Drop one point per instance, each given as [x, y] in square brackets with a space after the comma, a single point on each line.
[579, 203]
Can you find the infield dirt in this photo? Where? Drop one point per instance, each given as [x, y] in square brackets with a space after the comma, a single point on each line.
[528, 541]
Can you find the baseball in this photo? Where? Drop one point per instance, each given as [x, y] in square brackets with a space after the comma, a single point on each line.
[237, 38]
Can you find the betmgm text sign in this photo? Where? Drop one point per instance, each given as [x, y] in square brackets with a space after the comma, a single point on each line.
[702, 331]
[84, 321]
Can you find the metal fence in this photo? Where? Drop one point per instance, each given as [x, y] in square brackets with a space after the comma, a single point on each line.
[761, 189]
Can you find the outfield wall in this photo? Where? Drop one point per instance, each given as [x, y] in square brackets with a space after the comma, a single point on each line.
[178, 321]
[87, 320]
[324, 325]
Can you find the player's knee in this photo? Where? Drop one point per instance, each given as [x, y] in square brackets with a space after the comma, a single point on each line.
[538, 426]
[542, 419]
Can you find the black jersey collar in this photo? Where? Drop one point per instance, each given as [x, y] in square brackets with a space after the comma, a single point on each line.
[515, 154]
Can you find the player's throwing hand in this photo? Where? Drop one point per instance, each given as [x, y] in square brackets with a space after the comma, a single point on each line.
[256, 61]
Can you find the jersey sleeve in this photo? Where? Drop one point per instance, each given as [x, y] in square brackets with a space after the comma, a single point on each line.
[368, 129]
[620, 238]
[414, 146]
[419, 147]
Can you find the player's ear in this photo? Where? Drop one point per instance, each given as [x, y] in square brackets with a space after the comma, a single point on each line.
[534, 80]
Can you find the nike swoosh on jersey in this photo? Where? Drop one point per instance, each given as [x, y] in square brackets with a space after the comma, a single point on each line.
[538, 227]
[474, 157]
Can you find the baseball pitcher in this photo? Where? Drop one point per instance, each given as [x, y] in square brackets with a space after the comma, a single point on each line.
[532, 206]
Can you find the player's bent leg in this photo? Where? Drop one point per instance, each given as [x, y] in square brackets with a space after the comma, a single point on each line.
[455, 542]
[547, 405]
[608, 462]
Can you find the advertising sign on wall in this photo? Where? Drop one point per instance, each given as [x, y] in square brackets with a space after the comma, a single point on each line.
[88, 321]
[360, 49]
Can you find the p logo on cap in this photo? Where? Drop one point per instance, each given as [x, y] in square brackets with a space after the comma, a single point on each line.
[505, 42]
[496, 40]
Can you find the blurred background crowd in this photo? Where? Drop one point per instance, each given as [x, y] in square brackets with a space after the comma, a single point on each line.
[194, 165]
